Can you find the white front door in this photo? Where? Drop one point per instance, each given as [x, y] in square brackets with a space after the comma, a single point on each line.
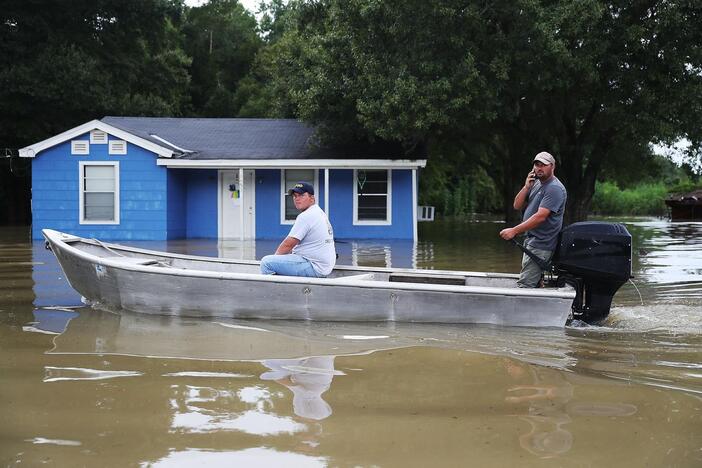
[231, 194]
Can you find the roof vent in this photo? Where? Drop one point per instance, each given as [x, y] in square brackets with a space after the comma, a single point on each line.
[98, 137]
[80, 147]
[118, 147]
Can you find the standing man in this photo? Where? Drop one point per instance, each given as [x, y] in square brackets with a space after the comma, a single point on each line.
[309, 248]
[545, 198]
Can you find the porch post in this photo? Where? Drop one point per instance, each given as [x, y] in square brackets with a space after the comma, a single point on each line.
[326, 190]
[414, 204]
[241, 201]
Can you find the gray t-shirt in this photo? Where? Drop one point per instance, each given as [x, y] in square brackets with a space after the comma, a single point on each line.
[313, 230]
[551, 195]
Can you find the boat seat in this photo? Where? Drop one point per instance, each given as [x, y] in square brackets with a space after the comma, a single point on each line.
[133, 260]
[364, 276]
[451, 280]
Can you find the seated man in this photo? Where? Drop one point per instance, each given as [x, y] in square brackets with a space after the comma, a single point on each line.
[309, 248]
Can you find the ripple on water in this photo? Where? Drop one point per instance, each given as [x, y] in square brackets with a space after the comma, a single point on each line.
[671, 317]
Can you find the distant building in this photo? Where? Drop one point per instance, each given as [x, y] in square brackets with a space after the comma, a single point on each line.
[686, 206]
[143, 178]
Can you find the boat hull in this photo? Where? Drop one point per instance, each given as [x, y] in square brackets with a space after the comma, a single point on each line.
[152, 289]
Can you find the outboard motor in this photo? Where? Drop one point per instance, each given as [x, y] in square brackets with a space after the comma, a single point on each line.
[595, 258]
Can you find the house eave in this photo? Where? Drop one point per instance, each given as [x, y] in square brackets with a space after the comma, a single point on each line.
[32, 150]
[293, 163]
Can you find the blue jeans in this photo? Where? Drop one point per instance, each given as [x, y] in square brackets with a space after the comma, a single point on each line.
[287, 265]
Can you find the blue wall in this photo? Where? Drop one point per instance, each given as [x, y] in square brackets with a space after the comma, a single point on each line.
[143, 189]
[341, 208]
[177, 203]
[201, 204]
[158, 203]
[268, 224]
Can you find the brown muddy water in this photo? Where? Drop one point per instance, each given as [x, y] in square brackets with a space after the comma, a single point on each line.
[81, 387]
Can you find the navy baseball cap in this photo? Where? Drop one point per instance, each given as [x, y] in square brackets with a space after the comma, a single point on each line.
[302, 187]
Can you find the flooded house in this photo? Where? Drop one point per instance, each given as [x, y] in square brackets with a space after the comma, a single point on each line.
[686, 206]
[148, 178]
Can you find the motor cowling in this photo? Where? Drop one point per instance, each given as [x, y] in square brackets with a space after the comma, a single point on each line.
[594, 257]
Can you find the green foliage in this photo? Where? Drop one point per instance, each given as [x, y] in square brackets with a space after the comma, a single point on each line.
[63, 63]
[593, 81]
[457, 191]
[221, 37]
[644, 199]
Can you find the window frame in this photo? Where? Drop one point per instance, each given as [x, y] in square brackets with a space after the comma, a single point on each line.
[283, 191]
[388, 201]
[81, 192]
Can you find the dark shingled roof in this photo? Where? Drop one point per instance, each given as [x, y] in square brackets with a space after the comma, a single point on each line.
[249, 139]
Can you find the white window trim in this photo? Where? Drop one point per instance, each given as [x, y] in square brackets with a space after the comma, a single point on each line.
[96, 141]
[388, 220]
[75, 151]
[81, 207]
[282, 193]
[111, 149]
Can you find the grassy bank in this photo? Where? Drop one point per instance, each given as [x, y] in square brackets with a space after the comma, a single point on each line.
[644, 199]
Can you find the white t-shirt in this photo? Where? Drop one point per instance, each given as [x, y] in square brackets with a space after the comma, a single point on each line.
[316, 238]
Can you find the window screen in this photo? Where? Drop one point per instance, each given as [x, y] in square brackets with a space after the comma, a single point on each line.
[99, 193]
[372, 193]
[293, 176]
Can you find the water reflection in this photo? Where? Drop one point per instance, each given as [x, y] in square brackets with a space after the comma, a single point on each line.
[198, 409]
[308, 378]
[545, 395]
[259, 456]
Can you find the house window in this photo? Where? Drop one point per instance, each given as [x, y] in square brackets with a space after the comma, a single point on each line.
[98, 137]
[99, 193]
[289, 177]
[372, 202]
[80, 147]
[117, 147]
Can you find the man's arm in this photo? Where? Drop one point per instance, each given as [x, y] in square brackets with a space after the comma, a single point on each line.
[286, 246]
[522, 197]
[533, 221]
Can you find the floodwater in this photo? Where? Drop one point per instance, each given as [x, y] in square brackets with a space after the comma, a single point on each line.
[82, 387]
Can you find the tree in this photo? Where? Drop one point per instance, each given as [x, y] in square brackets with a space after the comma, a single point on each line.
[593, 81]
[221, 37]
[64, 63]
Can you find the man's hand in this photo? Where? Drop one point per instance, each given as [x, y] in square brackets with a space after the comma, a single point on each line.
[508, 234]
[530, 179]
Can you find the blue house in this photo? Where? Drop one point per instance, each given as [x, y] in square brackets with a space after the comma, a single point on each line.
[143, 178]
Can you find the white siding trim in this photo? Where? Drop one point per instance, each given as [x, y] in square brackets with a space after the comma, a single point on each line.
[294, 163]
[98, 137]
[32, 150]
[415, 236]
[326, 191]
[117, 147]
[81, 207]
[80, 147]
[388, 220]
[315, 184]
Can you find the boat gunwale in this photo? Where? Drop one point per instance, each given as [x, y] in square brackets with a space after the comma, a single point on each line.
[556, 293]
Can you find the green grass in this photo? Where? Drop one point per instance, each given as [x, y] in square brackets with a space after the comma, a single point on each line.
[644, 199]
